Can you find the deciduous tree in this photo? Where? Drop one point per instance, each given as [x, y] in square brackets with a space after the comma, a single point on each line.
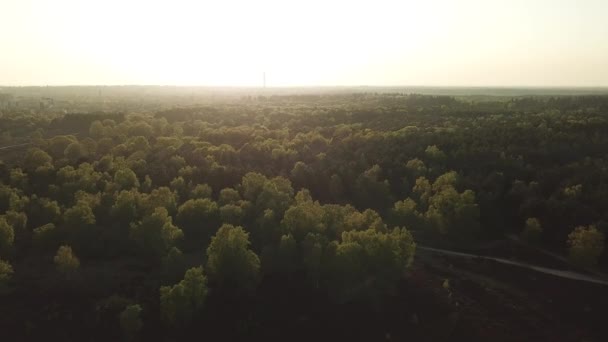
[586, 244]
[7, 235]
[532, 230]
[156, 233]
[231, 264]
[180, 303]
[65, 260]
[130, 321]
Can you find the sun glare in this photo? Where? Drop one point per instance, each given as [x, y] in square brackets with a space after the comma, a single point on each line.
[314, 42]
[233, 42]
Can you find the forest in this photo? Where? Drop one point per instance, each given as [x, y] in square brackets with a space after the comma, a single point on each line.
[300, 216]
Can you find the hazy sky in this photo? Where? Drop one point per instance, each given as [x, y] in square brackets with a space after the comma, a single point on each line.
[309, 42]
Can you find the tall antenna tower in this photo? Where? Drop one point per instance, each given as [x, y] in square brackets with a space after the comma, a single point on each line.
[264, 79]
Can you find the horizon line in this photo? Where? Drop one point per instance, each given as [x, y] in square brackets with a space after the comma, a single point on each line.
[313, 86]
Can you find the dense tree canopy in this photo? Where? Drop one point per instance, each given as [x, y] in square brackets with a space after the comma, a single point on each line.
[312, 199]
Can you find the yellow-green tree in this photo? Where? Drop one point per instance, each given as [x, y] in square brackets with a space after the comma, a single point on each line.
[156, 233]
[405, 213]
[586, 244]
[79, 216]
[231, 263]
[369, 264]
[533, 230]
[126, 179]
[180, 303]
[6, 273]
[7, 234]
[303, 218]
[65, 260]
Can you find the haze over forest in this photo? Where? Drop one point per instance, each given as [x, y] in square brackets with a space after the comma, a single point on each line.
[305, 43]
[269, 170]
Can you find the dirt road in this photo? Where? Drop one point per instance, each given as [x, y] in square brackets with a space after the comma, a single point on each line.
[551, 271]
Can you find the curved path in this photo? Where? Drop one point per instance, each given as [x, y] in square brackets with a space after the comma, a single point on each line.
[17, 145]
[551, 271]
[29, 143]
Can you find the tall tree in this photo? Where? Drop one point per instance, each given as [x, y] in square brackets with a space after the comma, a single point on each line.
[130, 321]
[126, 179]
[6, 273]
[369, 264]
[156, 233]
[586, 245]
[199, 218]
[65, 260]
[180, 303]
[7, 234]
[231, 264]
[532, 230]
